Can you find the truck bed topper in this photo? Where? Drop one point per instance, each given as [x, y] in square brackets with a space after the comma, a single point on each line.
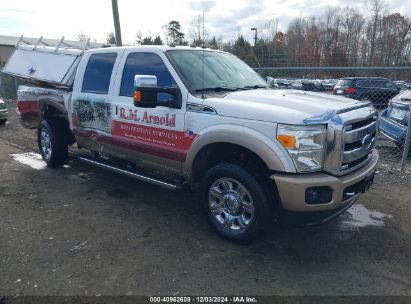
[46, 65]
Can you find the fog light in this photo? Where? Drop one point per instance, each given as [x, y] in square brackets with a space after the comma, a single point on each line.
[318, 195]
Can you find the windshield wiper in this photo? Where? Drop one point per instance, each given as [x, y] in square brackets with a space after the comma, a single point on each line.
[217, 89]
[257, 86]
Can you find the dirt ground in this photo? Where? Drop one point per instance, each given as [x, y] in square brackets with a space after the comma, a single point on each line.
[82, 231]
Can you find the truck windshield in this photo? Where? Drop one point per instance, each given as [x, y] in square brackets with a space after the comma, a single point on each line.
[205, 71]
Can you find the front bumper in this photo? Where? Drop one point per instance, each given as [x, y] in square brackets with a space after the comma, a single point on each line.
[292, 188]
[3, 114]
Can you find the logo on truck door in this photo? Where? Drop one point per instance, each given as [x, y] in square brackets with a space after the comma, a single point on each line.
[158, 133]
[93, 114]
[141, 125]
[146, 118]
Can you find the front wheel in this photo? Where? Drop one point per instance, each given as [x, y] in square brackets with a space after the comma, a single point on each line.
[52, 142]
[235, 203]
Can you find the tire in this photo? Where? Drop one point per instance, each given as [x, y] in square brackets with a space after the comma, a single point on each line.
[2, 122]
[235, 203]
[53, 142]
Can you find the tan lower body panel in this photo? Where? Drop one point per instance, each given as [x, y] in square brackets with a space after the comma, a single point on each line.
[170, 168]
[291, 188]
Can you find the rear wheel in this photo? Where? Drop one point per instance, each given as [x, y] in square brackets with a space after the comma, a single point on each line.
[53, 142]
[235, 203]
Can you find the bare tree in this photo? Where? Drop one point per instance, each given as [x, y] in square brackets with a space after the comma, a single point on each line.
[197, 31]
[376, 9]
[82, 37]
[269, 30]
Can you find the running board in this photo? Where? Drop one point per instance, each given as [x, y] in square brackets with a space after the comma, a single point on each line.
[131, 174]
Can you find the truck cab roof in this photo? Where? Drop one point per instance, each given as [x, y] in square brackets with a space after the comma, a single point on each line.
[151, 48]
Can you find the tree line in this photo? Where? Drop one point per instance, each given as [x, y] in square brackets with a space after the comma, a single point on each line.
[339, 37]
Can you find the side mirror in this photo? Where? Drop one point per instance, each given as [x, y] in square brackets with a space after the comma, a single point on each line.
[146, 93]
[142, 97]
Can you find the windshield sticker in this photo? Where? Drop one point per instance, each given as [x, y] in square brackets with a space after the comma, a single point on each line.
[94, 115]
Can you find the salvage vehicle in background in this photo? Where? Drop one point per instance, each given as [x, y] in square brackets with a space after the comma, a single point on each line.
[403, 85]
[186, 117]
[394, 120]
[3, 112]
[314, 85]
[328, 84]
[376, 90]
[295, 84]
[281, 83]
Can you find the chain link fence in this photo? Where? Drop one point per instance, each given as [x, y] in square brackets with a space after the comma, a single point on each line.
[387, 88]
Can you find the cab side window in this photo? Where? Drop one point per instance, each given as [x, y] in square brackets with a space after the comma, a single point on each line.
[98, 73]
[145, 64]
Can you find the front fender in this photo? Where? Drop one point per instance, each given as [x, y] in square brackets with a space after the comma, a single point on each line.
[271, 152]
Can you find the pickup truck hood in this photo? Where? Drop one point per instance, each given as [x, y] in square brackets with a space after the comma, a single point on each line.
[280, 106]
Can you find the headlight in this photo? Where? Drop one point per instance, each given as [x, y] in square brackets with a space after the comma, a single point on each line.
[3, 106]
[305, 145]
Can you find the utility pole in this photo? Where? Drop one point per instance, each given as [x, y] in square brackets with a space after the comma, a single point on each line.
[255, 44]
[116, 22]
[255, 35]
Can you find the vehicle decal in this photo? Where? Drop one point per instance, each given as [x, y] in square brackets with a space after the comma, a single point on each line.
[149, 143]
[92, 114]
[144, 117]
[167, 138]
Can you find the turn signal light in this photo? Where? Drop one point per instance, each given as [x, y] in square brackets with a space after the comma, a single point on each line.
[137, 96]
[287, 141]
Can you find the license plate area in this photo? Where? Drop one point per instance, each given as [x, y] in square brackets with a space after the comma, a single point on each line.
[397, 114]
[360, 187]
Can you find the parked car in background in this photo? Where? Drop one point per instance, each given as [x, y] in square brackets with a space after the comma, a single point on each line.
[3, 112]
[394, 120]
[312, 85]
[281, 83]
[377, 90]
[403, 85]
[295, 84]
[328, 84]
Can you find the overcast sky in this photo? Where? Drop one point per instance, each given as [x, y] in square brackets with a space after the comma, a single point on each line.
[225, 18]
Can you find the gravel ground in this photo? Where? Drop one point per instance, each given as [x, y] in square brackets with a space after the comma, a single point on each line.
[82, 231]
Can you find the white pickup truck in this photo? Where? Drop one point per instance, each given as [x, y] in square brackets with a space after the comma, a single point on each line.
[183, 116]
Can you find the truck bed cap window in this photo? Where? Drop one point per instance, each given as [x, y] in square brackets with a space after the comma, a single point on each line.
[98, 73]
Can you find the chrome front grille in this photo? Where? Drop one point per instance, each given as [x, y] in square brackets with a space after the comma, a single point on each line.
[359, 140]
[350, 139]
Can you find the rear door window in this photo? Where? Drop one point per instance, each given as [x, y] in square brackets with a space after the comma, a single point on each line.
[98, 73]
[369, 83]
[390, 85]
[376, 83]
